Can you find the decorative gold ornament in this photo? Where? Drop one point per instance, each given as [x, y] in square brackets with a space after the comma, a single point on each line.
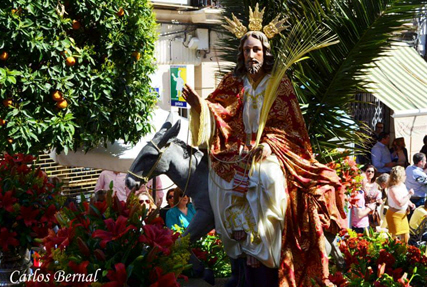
[255, 18]
[275, 27]
[236, 27]
[255, 24]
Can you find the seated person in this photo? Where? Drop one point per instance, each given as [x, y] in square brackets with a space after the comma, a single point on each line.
[169, 200]
[146, 202]
[418, 216]
[182, 212]
[149, 187]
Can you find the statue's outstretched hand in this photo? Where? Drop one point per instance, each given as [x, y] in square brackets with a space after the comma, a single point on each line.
[192, 98]
[262, 152]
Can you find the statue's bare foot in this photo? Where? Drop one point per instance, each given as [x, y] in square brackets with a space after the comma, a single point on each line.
[239, 235]
[252, 262]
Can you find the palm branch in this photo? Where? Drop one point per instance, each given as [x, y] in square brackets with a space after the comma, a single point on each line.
[327, 82]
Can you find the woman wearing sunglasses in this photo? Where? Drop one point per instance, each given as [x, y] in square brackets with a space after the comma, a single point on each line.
[182, 211]
[169, 200]
[146, 201]
[372, 195]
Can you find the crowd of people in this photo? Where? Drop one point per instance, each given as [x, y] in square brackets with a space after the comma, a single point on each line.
[391, 183]
[176, 214]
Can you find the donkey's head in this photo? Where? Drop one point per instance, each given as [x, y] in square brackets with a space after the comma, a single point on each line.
[152, 160]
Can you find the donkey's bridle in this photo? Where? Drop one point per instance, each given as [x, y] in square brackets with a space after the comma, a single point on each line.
[145, 179]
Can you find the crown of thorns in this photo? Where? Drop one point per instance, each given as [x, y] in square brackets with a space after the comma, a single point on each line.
[255, 24]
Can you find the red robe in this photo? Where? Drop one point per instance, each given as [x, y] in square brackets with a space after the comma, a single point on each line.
[316, 198]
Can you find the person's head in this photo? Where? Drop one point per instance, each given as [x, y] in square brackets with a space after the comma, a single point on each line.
[179, 197]
[254, 54]
[145, 199]
[370, 173]
[100, 195]
[399, 142]
[169, 196]
[397, 175]
[384, 138]
[419, 159]
[379, 127]
[425, 140]
[382, 180]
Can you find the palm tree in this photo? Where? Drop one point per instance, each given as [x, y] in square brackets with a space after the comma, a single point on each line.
[327, 81]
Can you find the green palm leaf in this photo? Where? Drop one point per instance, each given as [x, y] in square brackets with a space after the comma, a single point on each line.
[327, 82]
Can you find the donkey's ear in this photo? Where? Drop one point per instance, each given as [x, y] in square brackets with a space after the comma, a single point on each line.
[165, 127]
[168, 123]
[171, 134]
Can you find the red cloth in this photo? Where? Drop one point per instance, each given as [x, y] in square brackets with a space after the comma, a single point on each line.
[316, 198]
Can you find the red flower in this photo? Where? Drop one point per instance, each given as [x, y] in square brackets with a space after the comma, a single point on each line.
[158, 236]
[338, 279]
[7, 201]
[79, 268]
[403, 281]
[352, 243]
[7, 238]
[201, 255]
[386, 258]
[49, 215]
[115, 230]
[160, 280]
[29, 215]
[117, 278]
[362, 248]
[61, 239]
[397, 273]
[414, 254]
[101, 206]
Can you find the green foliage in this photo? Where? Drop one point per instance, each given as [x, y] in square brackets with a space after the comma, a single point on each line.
[210, 251]
[327, 81]
[107, 91]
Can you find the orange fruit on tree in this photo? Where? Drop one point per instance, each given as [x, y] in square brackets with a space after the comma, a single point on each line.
[9, 140]
[57, 96]
[4, 55]
[62, 104]
[2, 122]
[136, 55]
[7, 102]
[71, 61]
[17, 11]
[76, 25]
[121, 12]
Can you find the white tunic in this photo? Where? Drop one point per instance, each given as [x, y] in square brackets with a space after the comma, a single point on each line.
[261, 211]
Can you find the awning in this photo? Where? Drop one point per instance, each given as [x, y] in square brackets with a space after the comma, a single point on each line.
[399, 80]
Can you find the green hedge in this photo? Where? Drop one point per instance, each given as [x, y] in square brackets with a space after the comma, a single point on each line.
[103, 96]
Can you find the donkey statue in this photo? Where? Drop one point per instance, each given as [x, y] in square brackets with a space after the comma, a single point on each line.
[188, 168]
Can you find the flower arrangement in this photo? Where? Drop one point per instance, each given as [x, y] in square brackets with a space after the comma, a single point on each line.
[210, 251]
[350, 175]
[28, 203]
[377, 260]
[118, 239]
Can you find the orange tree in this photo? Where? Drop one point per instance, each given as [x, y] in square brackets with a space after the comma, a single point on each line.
[74, 72]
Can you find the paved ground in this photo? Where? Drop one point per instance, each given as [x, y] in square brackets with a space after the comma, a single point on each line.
[196, 282]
